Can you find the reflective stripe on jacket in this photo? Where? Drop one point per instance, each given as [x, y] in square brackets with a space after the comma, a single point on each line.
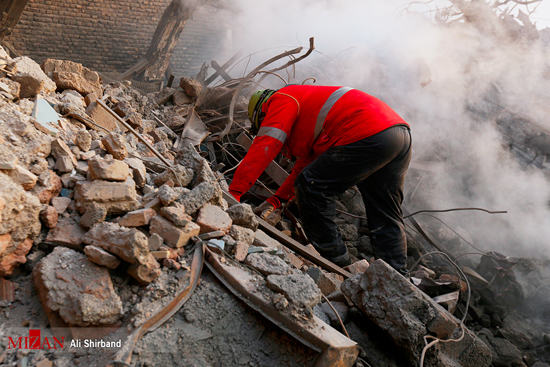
[307, 120]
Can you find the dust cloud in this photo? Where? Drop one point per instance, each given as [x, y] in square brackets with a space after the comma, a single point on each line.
[464, 90]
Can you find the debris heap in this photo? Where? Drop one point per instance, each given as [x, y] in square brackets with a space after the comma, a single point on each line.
[108, 199]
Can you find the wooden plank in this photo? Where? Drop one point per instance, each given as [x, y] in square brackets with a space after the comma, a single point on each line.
[220, 70]
[224, 66]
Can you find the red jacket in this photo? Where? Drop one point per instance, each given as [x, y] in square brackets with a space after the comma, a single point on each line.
[293, 113]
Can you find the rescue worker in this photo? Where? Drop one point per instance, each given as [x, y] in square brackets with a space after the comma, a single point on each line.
[341, 137]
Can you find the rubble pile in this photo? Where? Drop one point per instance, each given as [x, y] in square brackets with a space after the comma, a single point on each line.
[105, 198]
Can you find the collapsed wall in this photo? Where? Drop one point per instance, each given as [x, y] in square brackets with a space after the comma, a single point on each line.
[112, 36]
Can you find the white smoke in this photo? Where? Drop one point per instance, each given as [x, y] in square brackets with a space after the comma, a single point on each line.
[439, 78]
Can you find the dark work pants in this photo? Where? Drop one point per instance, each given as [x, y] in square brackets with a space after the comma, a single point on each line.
[377, 165]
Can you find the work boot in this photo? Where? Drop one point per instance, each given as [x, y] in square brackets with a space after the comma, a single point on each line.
[341, 261]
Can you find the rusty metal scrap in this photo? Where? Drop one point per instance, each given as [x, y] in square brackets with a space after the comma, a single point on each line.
[125, 353]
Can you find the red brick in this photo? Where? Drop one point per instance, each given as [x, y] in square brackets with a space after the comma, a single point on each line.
[358, 267]
[172, 235]
[212, 218]
[241, 250]
[49, 217]
[146, 273]
[137, 218]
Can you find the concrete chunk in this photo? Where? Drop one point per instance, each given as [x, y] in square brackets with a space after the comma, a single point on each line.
[78, 290]
[180, 175]
[196, 198]
[127, 243]
[95, 213]
[167, 195]
[154, 242]
[61, 149]
[267, 264]
[32, 79]
[68, 80]
[83, 140]
[407, 315]
[242, 234]
[242, 215]
[297, 288]
[192, 87]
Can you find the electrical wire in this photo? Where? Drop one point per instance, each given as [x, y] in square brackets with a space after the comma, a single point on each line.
[435, 339]
[445, 224]
[337, 315]
[454, 209]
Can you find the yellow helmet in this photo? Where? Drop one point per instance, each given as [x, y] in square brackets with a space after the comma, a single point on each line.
[255, 106]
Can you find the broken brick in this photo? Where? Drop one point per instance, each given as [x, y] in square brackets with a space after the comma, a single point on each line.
[171, 264]
[212, 218]
[358, 267]
[101, 257]
[101, 117]
[145, 273]
[10, 259]
[115, 145]
[176, 214]
[61, 204]
[137, 218]
[326, 283]
[241, 250]
[23, 177]
[172, 235]
[49, 216]
[61, 149]
[108, 169]
[67, 233]
[46, 193]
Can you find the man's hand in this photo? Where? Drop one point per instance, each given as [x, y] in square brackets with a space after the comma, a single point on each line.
[264, 210]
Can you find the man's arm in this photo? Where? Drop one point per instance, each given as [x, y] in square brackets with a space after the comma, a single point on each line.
[281, 112]
[286, 191]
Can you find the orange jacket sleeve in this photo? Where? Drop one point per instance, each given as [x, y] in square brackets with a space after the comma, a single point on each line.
[281, 112]
[286, 191]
